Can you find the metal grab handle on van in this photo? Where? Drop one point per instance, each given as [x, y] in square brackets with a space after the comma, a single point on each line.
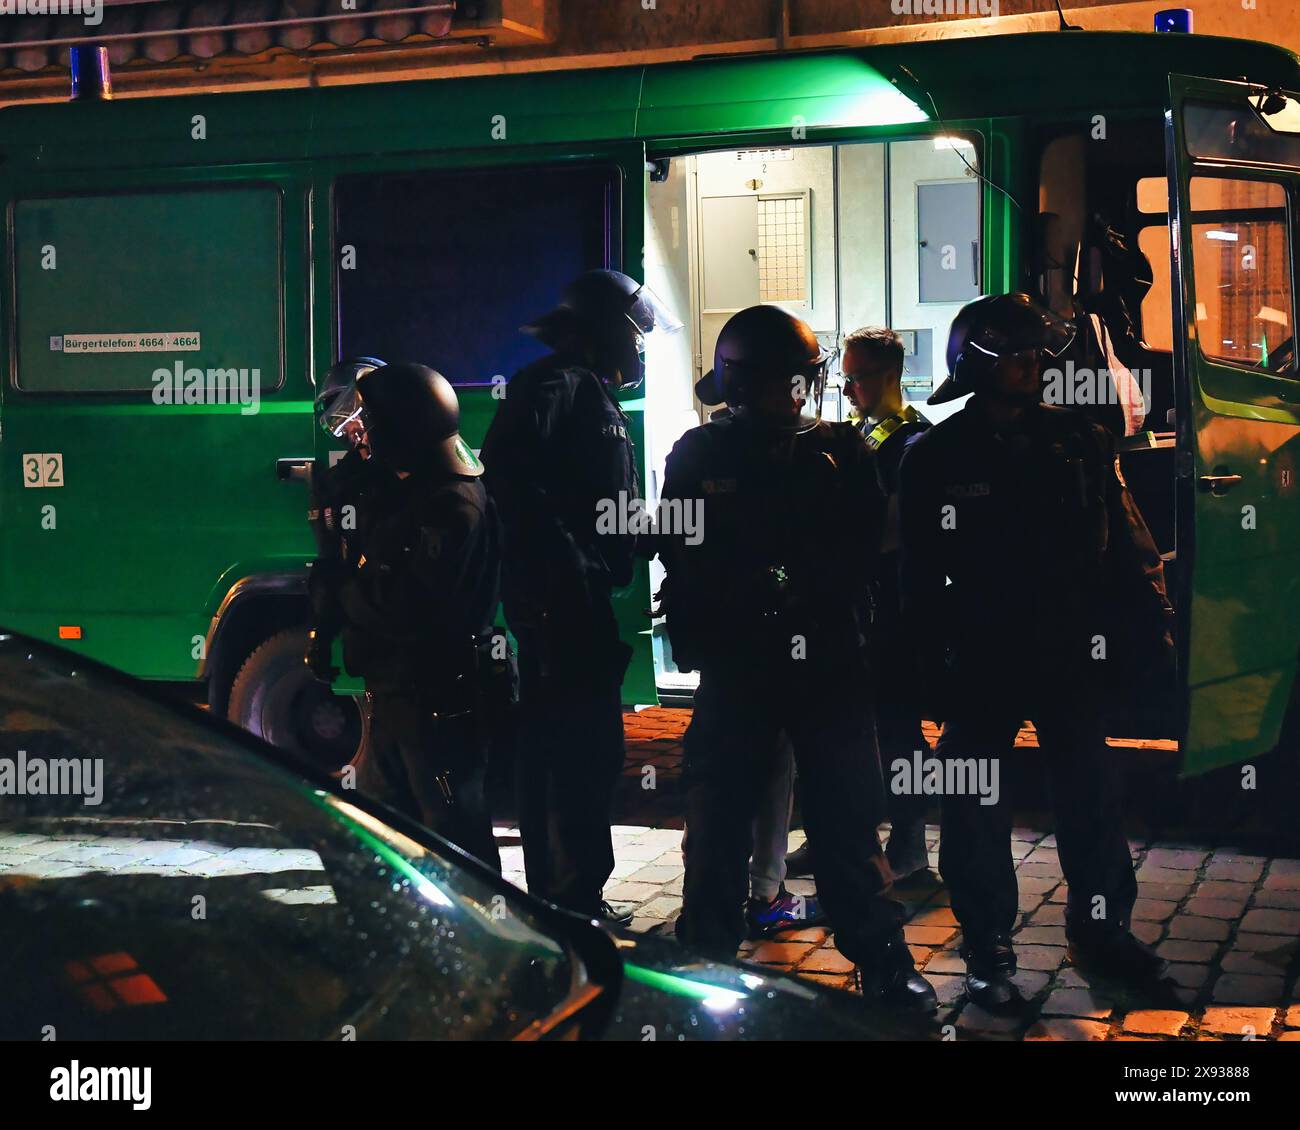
[293, 469]
[1218, 484]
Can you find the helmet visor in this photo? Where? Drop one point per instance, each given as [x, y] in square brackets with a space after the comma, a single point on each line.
[1057, 334]
[1026, 328]
[344, 416]
[793, 403]
[652, 323]
[814, 378]
[1042, 331]
[650, 315]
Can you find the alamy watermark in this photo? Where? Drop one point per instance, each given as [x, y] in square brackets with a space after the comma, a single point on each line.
[1074, 385]
[53, 776]
[967, 8]
[91, 11]
[672, 517]
[179, 385]
[78, 1083]
[946, 776]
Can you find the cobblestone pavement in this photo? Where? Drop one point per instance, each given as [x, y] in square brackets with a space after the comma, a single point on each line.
[1227, 921]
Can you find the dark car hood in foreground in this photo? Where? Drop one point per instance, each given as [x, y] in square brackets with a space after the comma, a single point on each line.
[191, 775]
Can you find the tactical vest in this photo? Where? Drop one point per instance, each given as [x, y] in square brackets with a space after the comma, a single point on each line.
[887, 427]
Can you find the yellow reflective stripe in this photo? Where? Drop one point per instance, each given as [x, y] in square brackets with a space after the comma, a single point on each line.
[883, 430]
[886, 428]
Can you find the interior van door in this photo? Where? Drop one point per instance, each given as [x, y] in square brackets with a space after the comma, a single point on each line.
[1234, 171]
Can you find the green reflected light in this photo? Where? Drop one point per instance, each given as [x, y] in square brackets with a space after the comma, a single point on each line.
[711, 996]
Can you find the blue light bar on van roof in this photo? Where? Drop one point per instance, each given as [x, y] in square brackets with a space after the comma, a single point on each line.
[1175, 20]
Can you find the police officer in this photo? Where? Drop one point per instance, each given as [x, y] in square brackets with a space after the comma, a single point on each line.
[748, 607]
[557, 450]
[419, 606]
[336, 496]
[873, 373]
[772, 908]
[1032, 583]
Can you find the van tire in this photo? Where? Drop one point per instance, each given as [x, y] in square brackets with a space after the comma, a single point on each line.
[276, 697]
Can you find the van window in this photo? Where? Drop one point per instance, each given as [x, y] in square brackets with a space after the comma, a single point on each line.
[442, 268]
[1153, 195]
[1157, 304]
[1237, 133]
[110, 289]
[1242, 270]
[1241, 265]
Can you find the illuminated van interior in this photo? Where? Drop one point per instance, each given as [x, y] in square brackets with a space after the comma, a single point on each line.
[851, 235]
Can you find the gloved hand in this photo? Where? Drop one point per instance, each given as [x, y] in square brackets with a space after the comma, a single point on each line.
[319, 658]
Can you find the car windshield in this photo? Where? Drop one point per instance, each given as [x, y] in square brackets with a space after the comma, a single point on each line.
[159, 879]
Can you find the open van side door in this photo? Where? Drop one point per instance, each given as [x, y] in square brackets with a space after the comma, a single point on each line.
[1234, 179]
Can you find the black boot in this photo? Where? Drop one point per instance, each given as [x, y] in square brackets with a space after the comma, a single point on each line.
[611, 915]
[799, 861]
[892, 980]
[990, 965]
[1118, 954]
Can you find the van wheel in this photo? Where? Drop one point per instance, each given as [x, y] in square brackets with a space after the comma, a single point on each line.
[275, 697]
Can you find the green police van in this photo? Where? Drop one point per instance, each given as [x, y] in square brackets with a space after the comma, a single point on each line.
[179, 269]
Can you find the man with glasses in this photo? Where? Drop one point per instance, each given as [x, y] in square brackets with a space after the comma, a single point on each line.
[872, 364]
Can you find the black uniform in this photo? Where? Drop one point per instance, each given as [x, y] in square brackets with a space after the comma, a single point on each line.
[419, 608]
[558, 446]
[752, 607]
[338, 495]
[1051, 568]
[898, 712]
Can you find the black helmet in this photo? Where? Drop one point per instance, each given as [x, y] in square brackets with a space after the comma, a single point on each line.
[707, 391]
[415, 420]
[992, 327]
[762, 344]
[611, 313]
[337, 400]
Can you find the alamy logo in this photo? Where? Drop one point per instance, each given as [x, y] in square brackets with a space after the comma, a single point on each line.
[102, 1084]
[53, 776]
[967, 8]
[91, 10]
[946, 776]
[674, 517]
[1075, 385]
[179, 385]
